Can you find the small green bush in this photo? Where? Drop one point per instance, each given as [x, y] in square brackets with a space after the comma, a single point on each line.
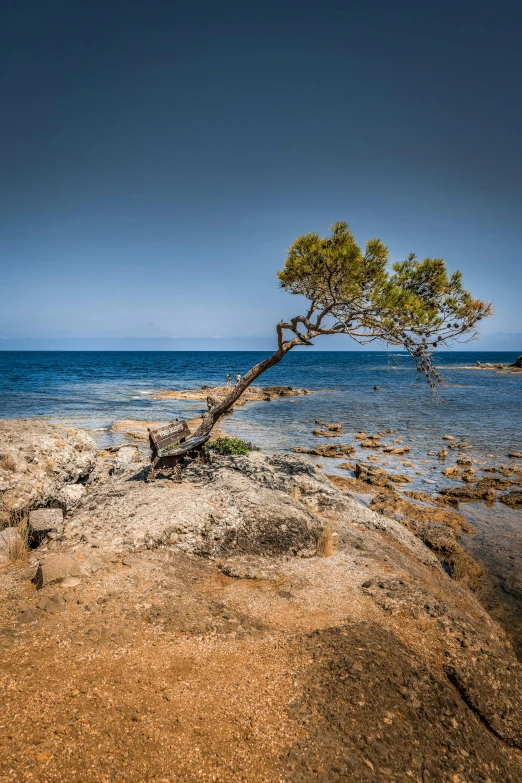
[228, 446]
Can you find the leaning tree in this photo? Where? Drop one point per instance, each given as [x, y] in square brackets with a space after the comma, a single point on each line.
[414, 305]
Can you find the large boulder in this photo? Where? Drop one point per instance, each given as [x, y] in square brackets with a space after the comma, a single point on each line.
[37, 460]
[518, 363]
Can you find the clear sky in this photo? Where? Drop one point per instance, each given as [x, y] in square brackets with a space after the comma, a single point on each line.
[158, 157]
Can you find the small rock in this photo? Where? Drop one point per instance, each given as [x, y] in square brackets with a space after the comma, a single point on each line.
[448, 437]
[69, 497]
[125, 457]
[55, 568]
[513, 499]
[44, 521]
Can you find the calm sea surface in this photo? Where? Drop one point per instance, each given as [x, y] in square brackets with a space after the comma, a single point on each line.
[94, 389]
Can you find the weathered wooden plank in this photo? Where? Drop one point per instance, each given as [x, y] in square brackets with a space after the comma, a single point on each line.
[184, 448]
[169, 434]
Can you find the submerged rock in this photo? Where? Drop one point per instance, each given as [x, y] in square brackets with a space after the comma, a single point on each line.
[513, 499]
[470, 493]
[333, 450]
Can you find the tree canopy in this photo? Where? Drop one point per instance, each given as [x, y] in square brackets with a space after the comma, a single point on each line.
[411, 304]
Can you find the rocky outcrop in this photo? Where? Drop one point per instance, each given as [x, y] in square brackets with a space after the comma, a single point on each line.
[200, 609]
[218, 393]
[37, 461]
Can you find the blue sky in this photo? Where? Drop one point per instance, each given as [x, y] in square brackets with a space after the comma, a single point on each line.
[158, 158]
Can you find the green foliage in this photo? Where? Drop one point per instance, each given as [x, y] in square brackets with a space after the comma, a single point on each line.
[413, 304]
[229, 446]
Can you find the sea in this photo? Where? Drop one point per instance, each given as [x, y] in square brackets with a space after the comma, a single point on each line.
[93, 390]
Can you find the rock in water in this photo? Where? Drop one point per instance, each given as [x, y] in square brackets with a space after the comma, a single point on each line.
[513, 499]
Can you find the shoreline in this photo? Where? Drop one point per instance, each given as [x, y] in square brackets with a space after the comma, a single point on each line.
[500, 586]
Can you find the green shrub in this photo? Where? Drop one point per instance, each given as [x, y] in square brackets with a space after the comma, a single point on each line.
[228, 446]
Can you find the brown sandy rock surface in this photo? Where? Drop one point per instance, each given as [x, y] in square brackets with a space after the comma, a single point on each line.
[200, 637]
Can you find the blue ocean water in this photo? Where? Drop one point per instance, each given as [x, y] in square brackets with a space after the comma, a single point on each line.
[92, 390]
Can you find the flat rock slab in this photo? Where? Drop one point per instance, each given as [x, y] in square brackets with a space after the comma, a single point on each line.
[56, 568]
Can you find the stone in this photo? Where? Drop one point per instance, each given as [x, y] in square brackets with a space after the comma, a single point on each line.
[56, 568]
[513, 499]
[372, 475]
[333, 450]
[70, 496]
[336, 427]
[470, 493]
[448, 437]
[125, 457]
[452, 472]
[515, 454]
[43, 521]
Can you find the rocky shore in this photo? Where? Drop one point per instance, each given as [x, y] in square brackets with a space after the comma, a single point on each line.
[253, 623]
[516, 367]
[214, 394]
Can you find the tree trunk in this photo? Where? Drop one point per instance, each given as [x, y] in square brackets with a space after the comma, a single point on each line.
[218, 410]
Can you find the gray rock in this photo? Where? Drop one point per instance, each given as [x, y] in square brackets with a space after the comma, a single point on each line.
[125, 457]
[70, 496]
[44, 521]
